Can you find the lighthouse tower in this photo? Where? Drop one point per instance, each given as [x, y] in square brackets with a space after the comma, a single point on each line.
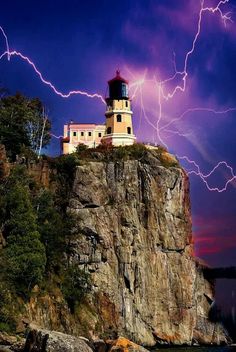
[119, 127]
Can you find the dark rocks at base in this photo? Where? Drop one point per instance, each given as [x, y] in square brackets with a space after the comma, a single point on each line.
[10, 343]
[53, 341]
[100, 346]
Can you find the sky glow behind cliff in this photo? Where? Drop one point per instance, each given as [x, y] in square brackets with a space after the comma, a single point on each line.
[77, 48]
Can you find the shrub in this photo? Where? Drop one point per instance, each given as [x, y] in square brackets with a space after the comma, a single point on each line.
[7, 313]
[75, 285]
[26, 260]
[66, 166]
[55, 229]
[137, 150]
[81, 148]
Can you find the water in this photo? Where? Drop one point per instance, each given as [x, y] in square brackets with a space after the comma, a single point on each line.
[197, 349]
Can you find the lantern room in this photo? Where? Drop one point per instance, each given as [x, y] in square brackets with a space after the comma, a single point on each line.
[118, 88]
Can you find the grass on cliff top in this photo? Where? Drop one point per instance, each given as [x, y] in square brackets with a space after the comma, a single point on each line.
[109, 153]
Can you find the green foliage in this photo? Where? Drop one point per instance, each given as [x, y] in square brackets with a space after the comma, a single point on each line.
[7, 327]
[166, 159]
[24, 253]
[81, 148]
[136, 151]
[65, 166]
[75, 285]
[107, 152]
[37, 229]
[55, 228]
[7, 316]
[21, 124]
[26, 260]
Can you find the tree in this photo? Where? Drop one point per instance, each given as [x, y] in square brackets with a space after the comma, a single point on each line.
[25, 253]
[52, 228]
[75, 285]
[38, 126]
[23, 124]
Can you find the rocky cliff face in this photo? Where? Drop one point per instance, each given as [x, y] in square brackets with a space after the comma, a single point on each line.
[134, 237]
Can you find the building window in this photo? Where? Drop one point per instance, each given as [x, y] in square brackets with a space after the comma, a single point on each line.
[90, 134]
[126, 103]
[129, 130]
[99, 135]
[74, 134]
[118, 118]
[109, 130]
[82, 134]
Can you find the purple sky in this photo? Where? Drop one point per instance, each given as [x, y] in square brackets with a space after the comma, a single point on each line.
[79, 45]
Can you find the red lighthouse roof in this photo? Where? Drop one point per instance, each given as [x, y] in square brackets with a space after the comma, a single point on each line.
[118, 78]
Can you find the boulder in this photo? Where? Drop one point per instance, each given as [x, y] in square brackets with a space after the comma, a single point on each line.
[124, 345]
[53, 341]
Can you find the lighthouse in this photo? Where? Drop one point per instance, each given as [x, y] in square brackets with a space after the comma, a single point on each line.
[119, 127]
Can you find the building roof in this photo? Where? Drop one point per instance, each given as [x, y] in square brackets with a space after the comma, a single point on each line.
[118, 78]
[84, 125]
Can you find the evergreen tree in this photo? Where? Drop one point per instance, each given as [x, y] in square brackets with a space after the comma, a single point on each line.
[25, 253]
[52, 228]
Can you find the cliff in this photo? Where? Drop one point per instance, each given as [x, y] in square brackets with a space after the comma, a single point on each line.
[133, 235]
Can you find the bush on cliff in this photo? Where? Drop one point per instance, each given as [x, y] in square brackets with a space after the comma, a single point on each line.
[7, 311]
[109, 153]
[55, 228]
[65, 166]
[75, 285]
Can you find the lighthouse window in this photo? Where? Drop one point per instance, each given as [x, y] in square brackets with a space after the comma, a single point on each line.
[82, 134]
[118, 118]
[129, 130]
[74, 134]
[124, 89]
[109, 130]
[90, 134]
[99, 135]
[126, 104]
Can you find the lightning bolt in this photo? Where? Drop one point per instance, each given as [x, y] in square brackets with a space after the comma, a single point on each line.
[204, 177]
[225, 18]
[161, 95]
[10, 53]
[198, 109]
[55, 136]
[6, 40]
[160, 85]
